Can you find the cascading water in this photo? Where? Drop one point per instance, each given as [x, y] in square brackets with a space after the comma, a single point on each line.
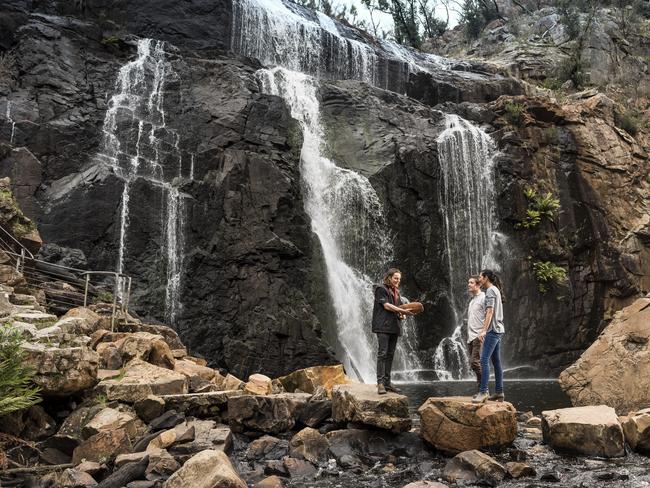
[347, 217]
[12, 121]
[280, 34]
[138, 145]
[467, 196]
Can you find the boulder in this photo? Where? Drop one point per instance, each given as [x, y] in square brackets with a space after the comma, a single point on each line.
[102, 447]
[309, 444]
[267, 448]
[298, 468]
[636, 427]
[593, 431]
[455, 424]
[207, 435]
[266, 413]
[473, 467]
[180, 433]
[92, 319]
[161, 465]
[520, 470]
[353, 444]
[228, 382]
[615, 369]
[269, 482]
[308, 380]
[201, 405]
[141, 379]
[110, 419]
[62, 371]
[193, 370]
[258, 384]
[150, 407]
[73, 478]
[207, 469]
[361, 403]
[148, 347]
[39, 319]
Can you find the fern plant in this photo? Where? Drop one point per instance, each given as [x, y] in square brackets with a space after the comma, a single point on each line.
[17, 392]
[548, 275]
[539, 206]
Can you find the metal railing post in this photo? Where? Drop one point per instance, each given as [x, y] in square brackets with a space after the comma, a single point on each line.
[86, 290]
[115, 290]
[19, 260]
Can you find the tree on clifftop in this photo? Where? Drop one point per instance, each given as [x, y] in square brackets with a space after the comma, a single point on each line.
[17, 392]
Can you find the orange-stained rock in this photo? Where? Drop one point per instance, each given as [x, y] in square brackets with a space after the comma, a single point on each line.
[455, 424]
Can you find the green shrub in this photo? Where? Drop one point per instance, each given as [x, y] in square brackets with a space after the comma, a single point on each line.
[548, 275]
[539, 206]
[104, 297]
[17, 392]
[515, 113]
[111, 41]
[552, 84]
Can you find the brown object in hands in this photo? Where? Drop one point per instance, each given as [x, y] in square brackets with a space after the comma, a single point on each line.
[414, 307]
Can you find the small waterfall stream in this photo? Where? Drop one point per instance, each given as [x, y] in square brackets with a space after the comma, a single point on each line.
[138, 145]
[12, 121]
[466, 158]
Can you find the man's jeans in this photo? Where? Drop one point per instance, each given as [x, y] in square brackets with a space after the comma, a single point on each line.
[385, 353]
[491, 349]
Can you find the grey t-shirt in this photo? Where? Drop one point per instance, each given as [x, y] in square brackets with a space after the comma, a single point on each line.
[493, 300]
[475, 316]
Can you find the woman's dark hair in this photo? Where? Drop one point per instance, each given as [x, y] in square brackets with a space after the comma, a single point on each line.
[389, 274]
[496, 281]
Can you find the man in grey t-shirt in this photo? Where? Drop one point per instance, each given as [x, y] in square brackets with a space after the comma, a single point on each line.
[475, 318]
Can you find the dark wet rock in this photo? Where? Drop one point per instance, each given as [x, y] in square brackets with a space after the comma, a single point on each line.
[361, 403]
[474, 466]
[267, 448]
[376, 445]
[266, 413]
[125, 474]
[551, 476]
[592, 431]
[167, 420]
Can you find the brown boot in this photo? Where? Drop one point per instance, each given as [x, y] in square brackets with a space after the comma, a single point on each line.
[381, 389]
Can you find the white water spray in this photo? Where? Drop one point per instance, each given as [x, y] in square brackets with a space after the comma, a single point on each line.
[138, 102]
[467, 196]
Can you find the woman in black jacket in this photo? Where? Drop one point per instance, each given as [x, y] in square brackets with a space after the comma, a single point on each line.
[386, 317]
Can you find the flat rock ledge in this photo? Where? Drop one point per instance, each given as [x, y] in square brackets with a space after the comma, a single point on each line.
[455, 424]
[592, 431]
[361, 404]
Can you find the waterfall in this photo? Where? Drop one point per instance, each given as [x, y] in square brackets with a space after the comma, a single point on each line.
[13, 123]
[298, 39]
[347, 218]
[138, 145]
[467, 196]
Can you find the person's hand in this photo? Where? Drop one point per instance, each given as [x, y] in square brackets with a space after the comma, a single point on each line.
[481, 337]
[400, 316]
[407, 313]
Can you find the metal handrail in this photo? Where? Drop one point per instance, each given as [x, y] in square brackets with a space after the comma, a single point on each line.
[122, 287]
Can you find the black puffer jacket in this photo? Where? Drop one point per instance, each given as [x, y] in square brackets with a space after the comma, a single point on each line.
[383, 321]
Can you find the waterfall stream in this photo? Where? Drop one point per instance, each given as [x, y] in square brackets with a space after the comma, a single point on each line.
[467, 196]
[138, 145]
[347, 217]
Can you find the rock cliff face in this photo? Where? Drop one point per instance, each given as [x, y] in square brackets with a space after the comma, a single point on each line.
[252, 291]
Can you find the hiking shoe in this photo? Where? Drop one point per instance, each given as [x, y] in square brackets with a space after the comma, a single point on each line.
[480, 397]
[497, 397]
[381, 389]
[393, 389]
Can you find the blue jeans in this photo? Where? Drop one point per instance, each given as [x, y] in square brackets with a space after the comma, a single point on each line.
[491, 349]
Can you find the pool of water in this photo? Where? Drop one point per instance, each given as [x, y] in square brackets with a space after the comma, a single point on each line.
[525, 395]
